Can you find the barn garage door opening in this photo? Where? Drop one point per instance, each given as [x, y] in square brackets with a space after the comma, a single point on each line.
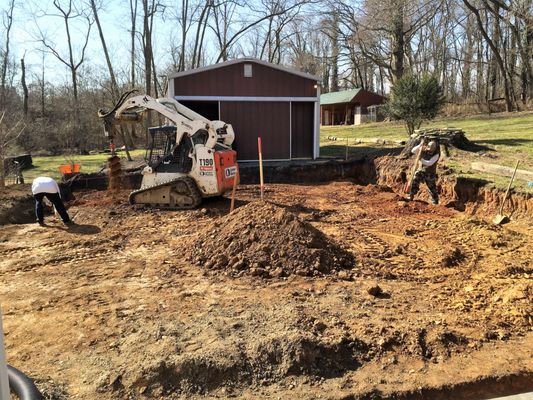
[208, 109]
[302, 124]
[270, 120]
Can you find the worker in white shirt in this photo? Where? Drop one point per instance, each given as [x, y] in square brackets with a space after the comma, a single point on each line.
[427, 170]
[47, 187]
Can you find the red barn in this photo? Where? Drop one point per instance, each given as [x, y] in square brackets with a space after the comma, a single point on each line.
[348, 107]
[259, 99]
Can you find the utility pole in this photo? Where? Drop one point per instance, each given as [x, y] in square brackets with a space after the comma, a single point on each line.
[4, 383]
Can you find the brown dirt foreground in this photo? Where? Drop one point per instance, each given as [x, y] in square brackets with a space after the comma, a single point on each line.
[135, 304]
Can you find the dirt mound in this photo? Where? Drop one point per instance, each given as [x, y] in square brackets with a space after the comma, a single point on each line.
[265, 240]
[270, 357]
[16, 205]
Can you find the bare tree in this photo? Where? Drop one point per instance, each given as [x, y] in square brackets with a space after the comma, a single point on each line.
[8, 135]
[493, 44]
[383, 30]
[70, 14]
[8, 23]
[24, 87]
[133, 18]
[115, 93]
[223, 20]
[150, 9]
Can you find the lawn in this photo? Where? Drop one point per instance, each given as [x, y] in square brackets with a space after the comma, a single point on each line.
[508, 137]
[49, 166]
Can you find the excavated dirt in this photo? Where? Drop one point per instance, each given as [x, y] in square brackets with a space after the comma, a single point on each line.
[436, 304]
[16, 205]
[262, 239]
[114, 173]
[468, 195]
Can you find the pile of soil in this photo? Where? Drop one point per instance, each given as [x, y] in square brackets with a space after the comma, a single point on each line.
[262, 239]
[16, 205]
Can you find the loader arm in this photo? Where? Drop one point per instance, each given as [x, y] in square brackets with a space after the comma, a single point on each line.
[187, 121]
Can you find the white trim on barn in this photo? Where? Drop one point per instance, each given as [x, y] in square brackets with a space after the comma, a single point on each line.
[290, 129]
[171, 88]
[246, 98]
[316, 136]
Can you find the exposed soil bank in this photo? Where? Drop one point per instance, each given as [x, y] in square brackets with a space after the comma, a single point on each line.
[16, 205]
[470, 195]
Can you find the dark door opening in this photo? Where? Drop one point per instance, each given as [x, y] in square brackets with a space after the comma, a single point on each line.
[207, 109]
[303, 122]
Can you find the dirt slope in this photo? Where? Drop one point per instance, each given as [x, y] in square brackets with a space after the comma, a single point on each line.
[117, 308]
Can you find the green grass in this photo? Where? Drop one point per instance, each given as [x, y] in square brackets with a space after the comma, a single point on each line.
[509, 137]
[49, 166]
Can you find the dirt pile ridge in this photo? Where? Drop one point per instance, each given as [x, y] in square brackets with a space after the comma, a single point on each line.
[16, 205]
[262, 239]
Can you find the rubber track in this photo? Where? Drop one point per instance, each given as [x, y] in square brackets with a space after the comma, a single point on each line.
[191, 185]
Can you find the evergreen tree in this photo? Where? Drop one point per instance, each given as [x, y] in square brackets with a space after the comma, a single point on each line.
[415, 100]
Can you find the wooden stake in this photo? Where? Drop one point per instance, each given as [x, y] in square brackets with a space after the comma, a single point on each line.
[260, 148]
[4, 383]
[235, 180]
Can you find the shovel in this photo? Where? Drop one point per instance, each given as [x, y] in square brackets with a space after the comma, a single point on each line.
[500, 218]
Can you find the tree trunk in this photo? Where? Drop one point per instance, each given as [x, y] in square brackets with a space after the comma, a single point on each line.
[24, 87]
[133, 15]
[5, 61]
[495, 52]
[398, 45]
[114, 86]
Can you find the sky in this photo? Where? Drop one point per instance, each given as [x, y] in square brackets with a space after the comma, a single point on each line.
[30, 18]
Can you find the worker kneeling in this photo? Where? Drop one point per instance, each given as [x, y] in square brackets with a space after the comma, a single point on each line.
[47, 187]
[427, 169]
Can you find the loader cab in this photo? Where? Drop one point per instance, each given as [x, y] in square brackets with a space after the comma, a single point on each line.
[165, 155]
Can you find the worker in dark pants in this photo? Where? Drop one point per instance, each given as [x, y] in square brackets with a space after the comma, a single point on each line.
[47, 187]
[427, 171]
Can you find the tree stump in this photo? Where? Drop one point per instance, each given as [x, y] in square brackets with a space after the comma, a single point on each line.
[445, 136]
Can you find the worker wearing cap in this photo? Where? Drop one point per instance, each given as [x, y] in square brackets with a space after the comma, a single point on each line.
[47, 187]
[427, 170]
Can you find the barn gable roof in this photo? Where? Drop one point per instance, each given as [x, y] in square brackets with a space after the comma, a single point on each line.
[344, 96]
[241, 60]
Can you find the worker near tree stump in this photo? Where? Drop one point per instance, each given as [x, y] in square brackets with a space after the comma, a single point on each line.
[427, 170]
[47, 187]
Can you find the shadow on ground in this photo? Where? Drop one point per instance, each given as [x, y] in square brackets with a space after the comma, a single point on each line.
[505, 142]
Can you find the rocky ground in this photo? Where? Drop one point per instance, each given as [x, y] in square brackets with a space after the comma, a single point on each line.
[406, 301]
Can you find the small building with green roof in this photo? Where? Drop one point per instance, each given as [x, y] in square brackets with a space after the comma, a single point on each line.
[347, 107]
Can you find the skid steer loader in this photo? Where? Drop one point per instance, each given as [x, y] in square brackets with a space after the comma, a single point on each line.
[188, 157]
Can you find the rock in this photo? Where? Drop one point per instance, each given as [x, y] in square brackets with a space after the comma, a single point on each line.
[257, 271]
[238, 266]
[319, 326]
[344, 275]
[374, 290]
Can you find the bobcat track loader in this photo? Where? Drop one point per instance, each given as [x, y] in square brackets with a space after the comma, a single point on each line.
[188, 157]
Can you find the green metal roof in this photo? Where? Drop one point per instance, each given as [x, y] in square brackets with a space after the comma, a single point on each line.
[344, 96]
